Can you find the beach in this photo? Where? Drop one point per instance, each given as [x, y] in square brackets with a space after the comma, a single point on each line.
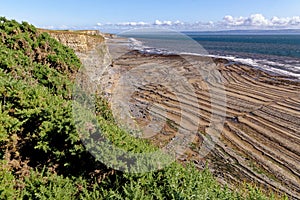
[259, 139]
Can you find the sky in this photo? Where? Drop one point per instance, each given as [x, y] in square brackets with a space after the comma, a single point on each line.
[173, 14]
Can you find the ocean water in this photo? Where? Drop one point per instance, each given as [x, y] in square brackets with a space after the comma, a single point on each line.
[279, 54]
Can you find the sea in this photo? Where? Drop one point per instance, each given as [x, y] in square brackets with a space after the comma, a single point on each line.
[276, 53]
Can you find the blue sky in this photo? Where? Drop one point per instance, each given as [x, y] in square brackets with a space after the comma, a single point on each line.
[182, 14]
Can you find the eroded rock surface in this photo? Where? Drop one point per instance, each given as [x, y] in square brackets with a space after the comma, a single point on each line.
[260, 139]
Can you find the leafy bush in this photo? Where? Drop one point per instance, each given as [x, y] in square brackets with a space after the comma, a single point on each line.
[37, 128]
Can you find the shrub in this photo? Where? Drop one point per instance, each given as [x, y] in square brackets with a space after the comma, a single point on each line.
[37, 128]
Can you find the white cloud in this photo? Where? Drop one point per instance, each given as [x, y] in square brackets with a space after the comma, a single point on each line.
[254, 21]
[177, 22]
[157, 22]
[132, 24]
[169, 23]
[165, 23]
[295, 20]
[279, 21]
[231, 21]
[259, 21]
[123, 24]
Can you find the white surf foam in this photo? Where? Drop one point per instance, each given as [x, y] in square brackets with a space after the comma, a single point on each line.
[289, 68]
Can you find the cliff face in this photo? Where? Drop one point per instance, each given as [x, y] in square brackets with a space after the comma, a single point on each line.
[89, 46]
[80, 41]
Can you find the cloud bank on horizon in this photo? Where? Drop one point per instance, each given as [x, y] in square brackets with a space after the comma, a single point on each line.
[254, 21]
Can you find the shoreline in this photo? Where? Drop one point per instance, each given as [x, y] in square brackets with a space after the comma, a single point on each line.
[259, 142]
[135, 44]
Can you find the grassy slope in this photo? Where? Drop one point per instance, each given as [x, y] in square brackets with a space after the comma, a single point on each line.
[41, 154]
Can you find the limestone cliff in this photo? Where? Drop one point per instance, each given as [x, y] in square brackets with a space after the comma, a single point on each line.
[79, 41]
[89, 46]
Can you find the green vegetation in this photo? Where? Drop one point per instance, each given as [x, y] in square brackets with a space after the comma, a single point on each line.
[41, 154]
